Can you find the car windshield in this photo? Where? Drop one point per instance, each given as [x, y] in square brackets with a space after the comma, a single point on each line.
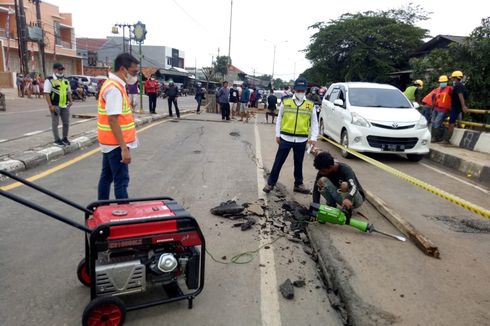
[378, 98]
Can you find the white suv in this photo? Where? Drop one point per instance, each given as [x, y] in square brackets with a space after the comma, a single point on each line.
[377, 118]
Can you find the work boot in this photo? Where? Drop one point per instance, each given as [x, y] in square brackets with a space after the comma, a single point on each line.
[58, 142]
[301, 189]
[437, 135]
[65, 141]
[268, 188]
[447, 136]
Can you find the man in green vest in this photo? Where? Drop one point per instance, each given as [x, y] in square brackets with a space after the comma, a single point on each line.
[414, 92]
[296, 125]
[57, 92]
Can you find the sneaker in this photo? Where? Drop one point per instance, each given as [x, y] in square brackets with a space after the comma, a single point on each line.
[58, 142]
[267, 188]
[65, 141]
[302, 190]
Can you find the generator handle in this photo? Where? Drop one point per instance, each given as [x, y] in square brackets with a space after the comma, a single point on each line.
[92, 206]
[45, 211]
[46, 191]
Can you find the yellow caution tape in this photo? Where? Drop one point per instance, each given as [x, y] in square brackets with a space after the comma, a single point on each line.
[419, 183]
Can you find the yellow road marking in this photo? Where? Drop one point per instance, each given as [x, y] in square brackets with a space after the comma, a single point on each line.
[70, 162]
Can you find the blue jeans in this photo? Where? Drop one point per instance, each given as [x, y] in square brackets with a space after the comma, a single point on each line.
[426, 112]
[282, 155]
[438, 118]
[113, 171]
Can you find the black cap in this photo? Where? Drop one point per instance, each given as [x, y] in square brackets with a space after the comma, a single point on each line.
[58, 66]
[301, 84]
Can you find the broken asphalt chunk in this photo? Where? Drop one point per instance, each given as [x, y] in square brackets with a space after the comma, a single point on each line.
[287, 289]
[229, 208]
[255, 209]
[299, 283]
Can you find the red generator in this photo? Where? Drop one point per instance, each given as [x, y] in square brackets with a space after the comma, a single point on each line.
[138, 253]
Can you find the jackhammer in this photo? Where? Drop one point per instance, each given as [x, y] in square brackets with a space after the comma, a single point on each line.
[327, 214]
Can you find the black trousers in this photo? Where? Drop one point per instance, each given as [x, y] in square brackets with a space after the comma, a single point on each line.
[152, 98]
[225, 111]
[281, 156]
[173, 99]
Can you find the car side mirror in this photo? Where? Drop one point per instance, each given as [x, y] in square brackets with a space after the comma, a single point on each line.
[338, 102]
[416, 105]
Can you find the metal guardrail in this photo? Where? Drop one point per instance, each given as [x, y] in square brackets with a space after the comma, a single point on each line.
[463, 123]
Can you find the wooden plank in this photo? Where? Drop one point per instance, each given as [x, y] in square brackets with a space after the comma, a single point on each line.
[420, 240]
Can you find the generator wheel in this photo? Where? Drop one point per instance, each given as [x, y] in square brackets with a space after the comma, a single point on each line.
[82, 272]
[104, 311]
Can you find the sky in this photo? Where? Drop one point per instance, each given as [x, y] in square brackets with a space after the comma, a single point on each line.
[201, 28]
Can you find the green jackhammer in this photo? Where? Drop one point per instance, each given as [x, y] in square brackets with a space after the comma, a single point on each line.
[327, 214]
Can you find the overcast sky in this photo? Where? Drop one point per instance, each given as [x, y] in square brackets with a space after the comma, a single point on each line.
[200, 27]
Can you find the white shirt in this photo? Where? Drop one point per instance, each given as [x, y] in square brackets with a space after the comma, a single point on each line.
[297, 139]
[114, 103]
[48, 87]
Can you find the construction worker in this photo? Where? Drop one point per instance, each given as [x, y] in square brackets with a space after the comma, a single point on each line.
[115, 127]
[458, 102]
[337, 183]
[414, 92]
[57, 92]
[440, 99]
[295, 122]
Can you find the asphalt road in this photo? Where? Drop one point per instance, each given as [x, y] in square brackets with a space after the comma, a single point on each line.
[200, 164]
[26, 117]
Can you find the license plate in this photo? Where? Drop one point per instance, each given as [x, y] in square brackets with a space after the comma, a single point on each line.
[392, 148]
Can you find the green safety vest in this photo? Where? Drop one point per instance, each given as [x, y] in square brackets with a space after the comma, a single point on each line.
[296, 120]
[59, 92]
[410, 93]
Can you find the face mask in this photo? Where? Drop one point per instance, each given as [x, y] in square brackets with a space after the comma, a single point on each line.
[152, 78]
[443, 85]
[59, 75]
[130, 79]
[299, 96]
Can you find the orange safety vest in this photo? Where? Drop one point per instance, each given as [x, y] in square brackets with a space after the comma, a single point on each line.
[429, 99]
[125, 119]
[443, 98]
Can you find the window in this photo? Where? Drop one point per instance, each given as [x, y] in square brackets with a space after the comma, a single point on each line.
[378, 98]
[334, 95]
[169, 61]
[57, 33]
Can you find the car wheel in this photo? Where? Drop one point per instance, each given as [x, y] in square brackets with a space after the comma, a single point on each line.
[344, 140]
[414, 157]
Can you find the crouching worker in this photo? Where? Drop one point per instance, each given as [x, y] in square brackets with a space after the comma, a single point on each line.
[337, 183]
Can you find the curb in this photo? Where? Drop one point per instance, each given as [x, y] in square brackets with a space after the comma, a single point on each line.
[476, 171]
[31, 159]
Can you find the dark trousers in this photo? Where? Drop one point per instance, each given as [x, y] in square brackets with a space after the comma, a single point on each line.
[64, 114]
[113, 171]
[225, 111]
[198, 100]
[282, 155]
[173, 99]
[152, 98]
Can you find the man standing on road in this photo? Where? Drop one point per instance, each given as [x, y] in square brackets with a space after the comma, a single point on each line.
[295, 122]
[234, 101]
[244, 98]
[224, 101]
[271, 107]
[199, 97]
[151, 88]
[337, 183]
[458, 102]
[440, 104]
[115, 127]
[414, 92]
[133, 92]
[172, 93]
[57, 92]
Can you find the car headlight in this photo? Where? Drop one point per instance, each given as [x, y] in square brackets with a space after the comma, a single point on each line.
[358, 120]
[422, 123]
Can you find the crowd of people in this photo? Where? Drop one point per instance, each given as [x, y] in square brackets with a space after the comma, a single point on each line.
[30, 85]
[441, 102]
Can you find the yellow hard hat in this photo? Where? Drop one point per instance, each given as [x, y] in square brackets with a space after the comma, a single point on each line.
[443, 79]
[457, 74]
[419, 82]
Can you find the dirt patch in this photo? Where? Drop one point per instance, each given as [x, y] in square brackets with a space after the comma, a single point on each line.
[462, 224]
[197, 151]
[235, 134]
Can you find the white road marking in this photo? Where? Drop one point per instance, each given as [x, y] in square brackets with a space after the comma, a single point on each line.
[456, 178]
[2, 140]
[33, 133]
[269, 300]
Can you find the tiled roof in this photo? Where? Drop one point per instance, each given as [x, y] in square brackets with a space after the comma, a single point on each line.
[90, 44]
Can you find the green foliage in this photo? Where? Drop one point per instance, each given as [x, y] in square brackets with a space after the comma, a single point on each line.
[221, 65]
[364, 46]
[265, 77]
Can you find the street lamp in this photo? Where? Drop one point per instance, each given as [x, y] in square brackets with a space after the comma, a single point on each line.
[275, 44]
[139, 30]
[115, 30]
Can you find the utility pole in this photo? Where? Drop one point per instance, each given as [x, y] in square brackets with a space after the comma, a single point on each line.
[40, 43]
[21, 34]
[229, 37]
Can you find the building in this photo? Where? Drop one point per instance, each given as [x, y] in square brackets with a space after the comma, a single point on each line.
[59, 39]
[102, 52]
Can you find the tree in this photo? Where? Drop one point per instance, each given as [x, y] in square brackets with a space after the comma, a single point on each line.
[221, 65]
[364, 46]
[209, 74]
[265, 77]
